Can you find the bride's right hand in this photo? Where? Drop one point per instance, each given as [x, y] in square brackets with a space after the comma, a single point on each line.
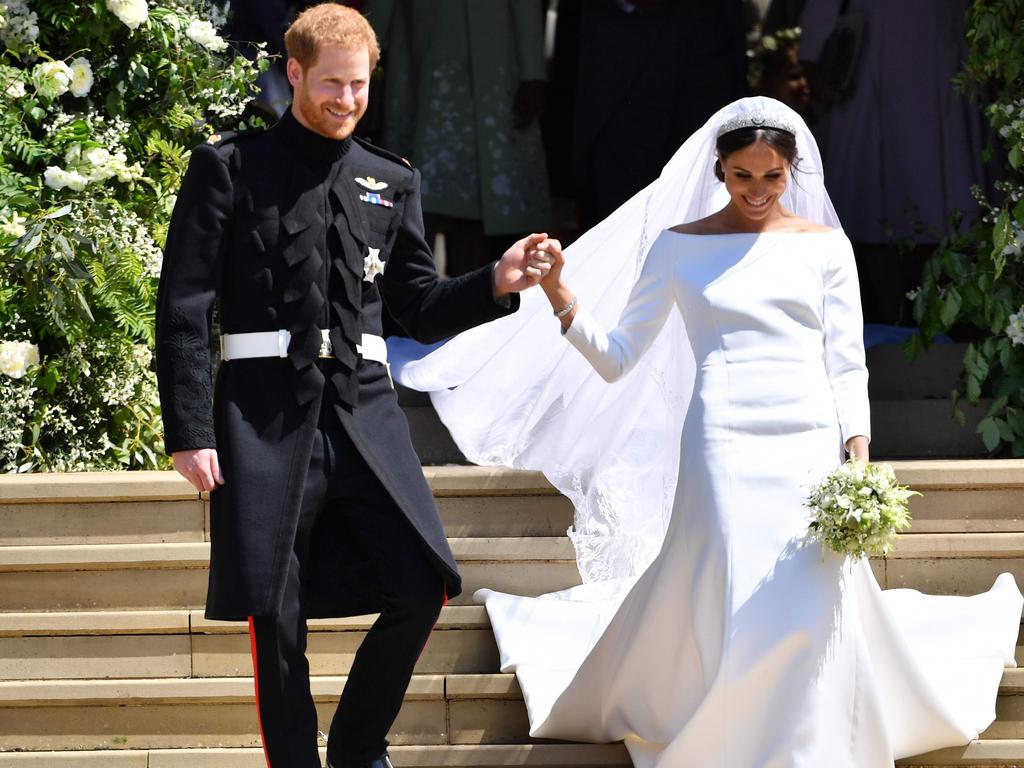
[549, 251]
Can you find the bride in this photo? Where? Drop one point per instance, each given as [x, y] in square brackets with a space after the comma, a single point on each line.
[709, 631]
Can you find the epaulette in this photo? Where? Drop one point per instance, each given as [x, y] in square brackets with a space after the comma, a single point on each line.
[370, 147]
[226, 137]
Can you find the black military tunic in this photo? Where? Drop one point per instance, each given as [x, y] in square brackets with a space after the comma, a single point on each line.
[284, 228]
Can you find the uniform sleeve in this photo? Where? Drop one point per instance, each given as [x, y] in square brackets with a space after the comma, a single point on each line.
[844, 344]
[189, 283]
[615, 353]
[429, 307]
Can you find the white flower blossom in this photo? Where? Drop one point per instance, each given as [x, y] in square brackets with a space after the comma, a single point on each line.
[132, 13]
[203, 33]
[97, 156]
[15, 89]
[1015, 328]
[76, 181]
[20, 25]
[13, 225]
[16, 357]
[81, 76]
[219, 14]
[51, 78]
[55, 177]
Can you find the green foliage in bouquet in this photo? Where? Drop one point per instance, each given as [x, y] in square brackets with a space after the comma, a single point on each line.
[858, 509]
[100, 102]
[975, 281]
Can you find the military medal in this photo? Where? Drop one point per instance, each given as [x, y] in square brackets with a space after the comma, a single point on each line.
[372, 264]
[374, 199]
[373, 195]
[371, 183]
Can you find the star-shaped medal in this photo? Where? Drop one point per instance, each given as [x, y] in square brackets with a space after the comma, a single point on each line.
[372, 265]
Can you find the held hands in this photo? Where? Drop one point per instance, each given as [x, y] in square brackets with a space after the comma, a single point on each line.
[520, 267]
[200, 467]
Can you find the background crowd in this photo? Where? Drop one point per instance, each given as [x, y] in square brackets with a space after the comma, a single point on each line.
[523, 114]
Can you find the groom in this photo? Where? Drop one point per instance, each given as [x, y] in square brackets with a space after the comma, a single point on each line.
[299, 235]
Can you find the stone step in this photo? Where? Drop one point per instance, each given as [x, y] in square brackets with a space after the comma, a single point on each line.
[204, 713]
[1008, 753]
[160, 507]
[983, 752]
[173, 575]
[93, 509]
[155, 576]
[182, 643]
[157, 644]
[456, 756]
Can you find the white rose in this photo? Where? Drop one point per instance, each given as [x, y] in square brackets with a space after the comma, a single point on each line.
[15, 89]
[30, 353]
[81, 76]
[16, 357]
[51, 78]
[132, 13]
[55, 178]
[77, 181]
[97, 156]
[202, 32]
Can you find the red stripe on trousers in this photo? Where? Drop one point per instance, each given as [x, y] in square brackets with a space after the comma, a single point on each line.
[443, 604]
[256, 685]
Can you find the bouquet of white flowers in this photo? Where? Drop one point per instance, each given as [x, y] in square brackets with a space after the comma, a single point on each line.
[858, 509]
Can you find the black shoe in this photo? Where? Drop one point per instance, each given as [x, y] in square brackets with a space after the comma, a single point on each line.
[384, 761]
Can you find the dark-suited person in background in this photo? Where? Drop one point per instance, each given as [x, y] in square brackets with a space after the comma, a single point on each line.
[629, 82]
[463, 88]
[319, 506]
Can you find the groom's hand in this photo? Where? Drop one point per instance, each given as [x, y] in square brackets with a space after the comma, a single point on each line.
[517, 269]
[200, 467]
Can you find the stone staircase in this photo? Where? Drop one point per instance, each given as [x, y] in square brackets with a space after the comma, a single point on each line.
[106, 658]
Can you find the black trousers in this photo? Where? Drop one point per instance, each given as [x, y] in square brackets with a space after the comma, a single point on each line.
[411, 594]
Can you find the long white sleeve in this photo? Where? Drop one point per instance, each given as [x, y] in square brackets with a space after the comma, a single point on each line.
[844, 344]
[614, 354]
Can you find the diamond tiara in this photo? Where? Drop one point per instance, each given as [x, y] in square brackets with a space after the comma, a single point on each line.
[756, 120]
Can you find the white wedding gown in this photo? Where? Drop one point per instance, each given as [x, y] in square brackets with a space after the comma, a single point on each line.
[744, 645]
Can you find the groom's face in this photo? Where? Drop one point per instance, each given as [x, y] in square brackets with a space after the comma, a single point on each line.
[331, 94]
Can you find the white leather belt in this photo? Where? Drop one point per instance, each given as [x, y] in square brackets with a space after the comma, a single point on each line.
[240, 346]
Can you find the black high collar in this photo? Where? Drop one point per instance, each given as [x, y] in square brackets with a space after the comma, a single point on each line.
[315, 148]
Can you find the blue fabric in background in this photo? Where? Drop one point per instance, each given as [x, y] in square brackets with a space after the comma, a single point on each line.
[876, 333]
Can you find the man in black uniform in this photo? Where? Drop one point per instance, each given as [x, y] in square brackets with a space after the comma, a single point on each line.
[319, 505]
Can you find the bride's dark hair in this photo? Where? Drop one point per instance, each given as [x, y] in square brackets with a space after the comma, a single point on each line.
[781, 141]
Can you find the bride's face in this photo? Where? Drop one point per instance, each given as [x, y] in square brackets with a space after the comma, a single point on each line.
[756, 177]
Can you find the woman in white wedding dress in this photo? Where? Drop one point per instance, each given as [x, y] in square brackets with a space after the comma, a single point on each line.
[710, 631]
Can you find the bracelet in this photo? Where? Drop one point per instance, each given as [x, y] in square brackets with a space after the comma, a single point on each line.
[567, 309]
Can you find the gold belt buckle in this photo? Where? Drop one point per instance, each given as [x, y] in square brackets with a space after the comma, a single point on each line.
[326, 347]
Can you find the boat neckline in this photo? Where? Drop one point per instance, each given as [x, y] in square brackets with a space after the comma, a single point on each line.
[759, 234]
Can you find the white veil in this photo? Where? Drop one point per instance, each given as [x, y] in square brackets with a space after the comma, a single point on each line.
[513, 393]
